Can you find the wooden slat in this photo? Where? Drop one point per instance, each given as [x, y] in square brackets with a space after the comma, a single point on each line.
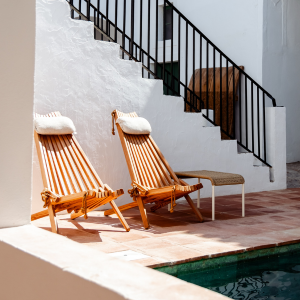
[43, 164]
[95, 177]
[53, 171]
[132, 164]
[145, 160]
[157, 171]
[85, 174]
[66, 180]
[165, 174]
[59, 175]
[164, 160]
[141, 167]
[74, 174]
[82, 178]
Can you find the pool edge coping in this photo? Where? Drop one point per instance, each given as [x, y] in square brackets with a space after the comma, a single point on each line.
[213, 260]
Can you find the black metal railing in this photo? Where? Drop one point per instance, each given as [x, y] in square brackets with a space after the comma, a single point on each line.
[171, 48]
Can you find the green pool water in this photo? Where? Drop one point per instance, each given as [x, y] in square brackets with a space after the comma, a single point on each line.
[269, 277]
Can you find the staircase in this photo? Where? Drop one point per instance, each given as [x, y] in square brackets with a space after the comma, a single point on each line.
[191, 66]
[86, 80]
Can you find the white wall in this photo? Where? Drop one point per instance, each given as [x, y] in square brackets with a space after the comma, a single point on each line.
[86, 80]
[281, 64]
[16, 109]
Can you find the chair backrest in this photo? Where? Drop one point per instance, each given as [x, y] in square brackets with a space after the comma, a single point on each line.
[64, 166]
[147, 165]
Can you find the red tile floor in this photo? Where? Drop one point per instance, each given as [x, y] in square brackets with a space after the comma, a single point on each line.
[272, 219]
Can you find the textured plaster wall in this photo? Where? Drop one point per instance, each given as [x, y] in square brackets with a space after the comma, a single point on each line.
[16, 109]
[281, 64]
[85, 80]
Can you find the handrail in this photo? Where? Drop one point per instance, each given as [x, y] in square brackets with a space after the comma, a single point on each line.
[243, 120]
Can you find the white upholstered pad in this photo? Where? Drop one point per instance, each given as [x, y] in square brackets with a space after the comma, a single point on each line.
[134, 125]
[54, 126]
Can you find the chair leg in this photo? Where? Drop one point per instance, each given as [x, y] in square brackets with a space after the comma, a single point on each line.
[195, 209]
[198, 198]
[143, 212]
[119, 214]
[53, 220]
[213, 203]
[243, 200]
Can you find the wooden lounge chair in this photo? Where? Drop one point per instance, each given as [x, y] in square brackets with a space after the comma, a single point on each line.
[153, 180]
[70, 181]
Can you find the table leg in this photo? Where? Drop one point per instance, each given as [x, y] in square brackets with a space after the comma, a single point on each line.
[198, 199]
[243, 200]
[169, 207]
[213, 203]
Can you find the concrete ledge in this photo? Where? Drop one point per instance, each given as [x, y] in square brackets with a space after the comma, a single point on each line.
[36, 264]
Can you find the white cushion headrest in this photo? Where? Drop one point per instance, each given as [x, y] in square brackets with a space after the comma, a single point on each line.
[54, 125]
[134, 125]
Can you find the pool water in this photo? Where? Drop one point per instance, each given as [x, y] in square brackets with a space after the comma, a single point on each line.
[274, 277]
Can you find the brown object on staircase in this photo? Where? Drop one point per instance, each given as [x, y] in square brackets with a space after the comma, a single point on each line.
[220, 95]
[153, 180]
[70, 181]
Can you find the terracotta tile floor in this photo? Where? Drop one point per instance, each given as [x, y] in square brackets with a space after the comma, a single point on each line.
[272, 219]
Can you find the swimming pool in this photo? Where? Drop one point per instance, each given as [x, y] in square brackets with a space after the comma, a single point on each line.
[269, 277]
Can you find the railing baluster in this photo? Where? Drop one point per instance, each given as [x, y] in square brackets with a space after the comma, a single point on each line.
[148, 43]
[72, 10]
[179, 38]
[200, 77]
[88, 9]
[246, 111]
[258, 127]
[98, 13]
[252, 119]
[95, 32]
[124, 28]
[106, 17]
[116, 20]
[132, 29]
[172, 46]
[214, 72]
[207, 78]
[164, 41]
[233, 102]
[79, 8]
[156, 37]
[186, 62]
[221, 92]
[141, 28]
[240, 107]
[227, 102]
[264, 123]
[194, 68]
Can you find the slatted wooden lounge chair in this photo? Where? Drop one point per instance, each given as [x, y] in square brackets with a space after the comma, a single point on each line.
[70, 181]
[153, 180]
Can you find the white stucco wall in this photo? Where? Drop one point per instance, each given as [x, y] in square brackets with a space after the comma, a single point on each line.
[281, 64]
[16, 109]
[85, 80]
